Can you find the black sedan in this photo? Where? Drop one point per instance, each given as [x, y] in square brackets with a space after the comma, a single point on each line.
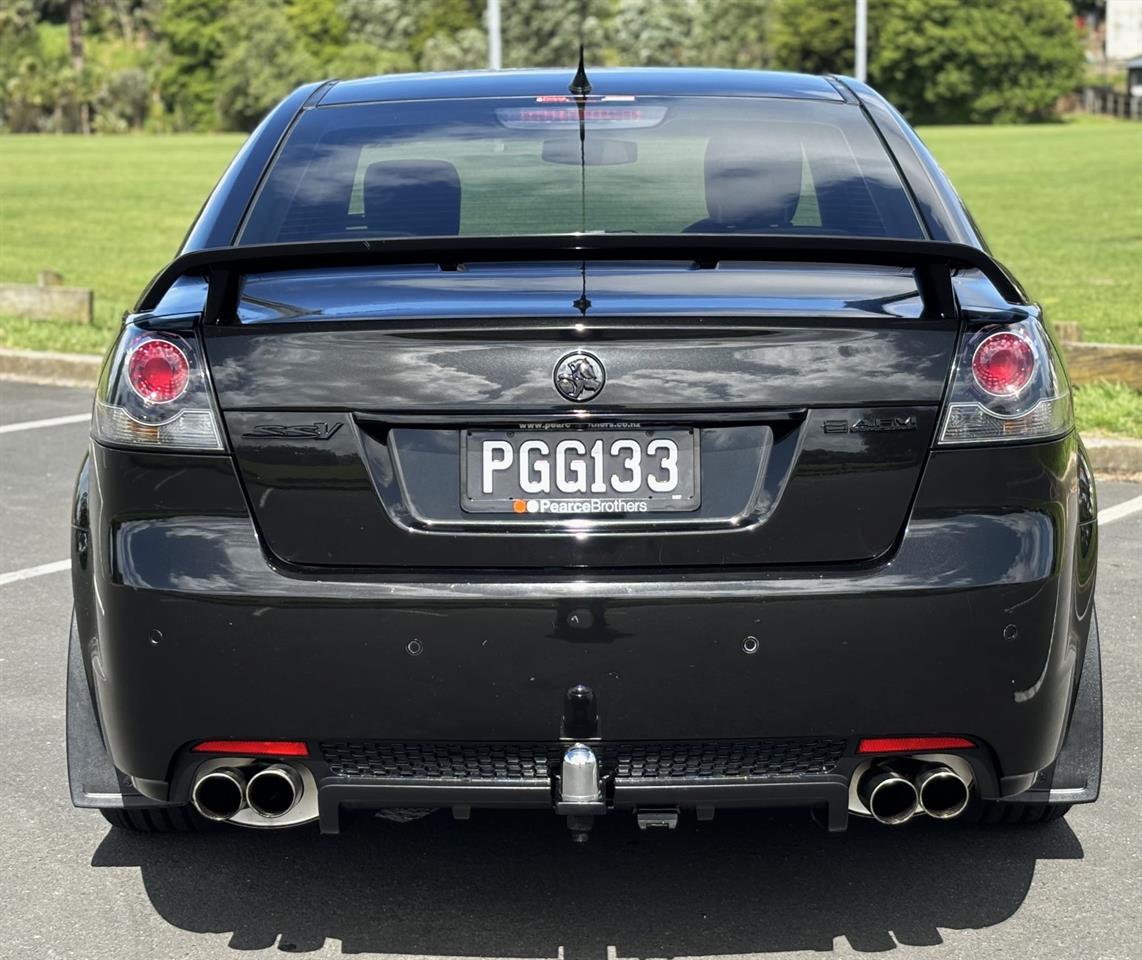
[655, 441]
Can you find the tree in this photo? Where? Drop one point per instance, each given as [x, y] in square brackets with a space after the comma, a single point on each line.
[76, 14]
[546, 33]
[943, 61]
[320, 27]
[405, 28]
[464, 50]
[193, 35]
[19, 43]
[816, 36]
[264, 60]
[977, 61]
[736, 33]
[658, 32]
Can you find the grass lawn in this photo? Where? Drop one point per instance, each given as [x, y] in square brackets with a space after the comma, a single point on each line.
[1061, 205]
[106, 212]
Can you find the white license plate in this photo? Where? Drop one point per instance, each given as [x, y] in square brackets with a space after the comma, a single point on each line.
[580, 472]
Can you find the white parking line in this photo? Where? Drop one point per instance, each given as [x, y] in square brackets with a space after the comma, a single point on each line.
[50, 422]
[1118, 511]
[29, 572]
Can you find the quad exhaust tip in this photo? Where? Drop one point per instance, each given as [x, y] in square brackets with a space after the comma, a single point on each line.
[890, 797]
[220, 794]
[942, 793]
[274, 791]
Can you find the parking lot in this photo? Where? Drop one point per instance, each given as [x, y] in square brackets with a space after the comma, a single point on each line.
[511, 885]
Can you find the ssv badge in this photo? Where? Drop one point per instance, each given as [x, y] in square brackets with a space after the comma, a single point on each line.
[319, 430]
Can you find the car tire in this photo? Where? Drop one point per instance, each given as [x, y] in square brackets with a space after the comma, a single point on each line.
[996, 812]
[155, 819]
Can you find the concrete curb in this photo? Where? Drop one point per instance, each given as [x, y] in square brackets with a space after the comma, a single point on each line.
[1114, 454]
[42, 366]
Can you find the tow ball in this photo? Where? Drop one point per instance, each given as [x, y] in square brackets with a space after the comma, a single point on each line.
[580, 793]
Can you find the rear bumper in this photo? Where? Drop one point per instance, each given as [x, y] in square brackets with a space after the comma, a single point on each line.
[976, 626]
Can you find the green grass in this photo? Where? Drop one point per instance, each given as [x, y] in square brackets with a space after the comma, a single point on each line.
[1108, 408]
[66, 337]
[1060, 204]
[106, 212]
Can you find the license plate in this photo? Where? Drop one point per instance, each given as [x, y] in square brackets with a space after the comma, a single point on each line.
[580, 472]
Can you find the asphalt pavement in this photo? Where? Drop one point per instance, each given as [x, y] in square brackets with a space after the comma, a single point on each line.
[512, 885]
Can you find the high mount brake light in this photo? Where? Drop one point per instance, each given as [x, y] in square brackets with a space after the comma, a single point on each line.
[153, 393]
[1008, 385]
[618, 113]
[912, 744]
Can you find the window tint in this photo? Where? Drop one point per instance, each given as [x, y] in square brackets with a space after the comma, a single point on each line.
[502, 167]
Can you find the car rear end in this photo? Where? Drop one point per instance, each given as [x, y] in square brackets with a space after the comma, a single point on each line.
[625, 452]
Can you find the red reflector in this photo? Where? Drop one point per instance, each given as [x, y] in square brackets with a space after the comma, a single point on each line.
[265, 748]
[913, 744]
[158, 371]
[1003, 364]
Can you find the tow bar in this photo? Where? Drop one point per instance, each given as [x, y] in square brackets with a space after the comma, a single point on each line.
[579, 788]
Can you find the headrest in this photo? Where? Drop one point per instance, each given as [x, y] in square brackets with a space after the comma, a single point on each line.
[752, 182]
[415, 197]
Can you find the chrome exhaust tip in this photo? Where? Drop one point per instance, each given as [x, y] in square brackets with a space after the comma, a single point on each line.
[889, 797]
[274, 791]
[942, 793]
[219, 794]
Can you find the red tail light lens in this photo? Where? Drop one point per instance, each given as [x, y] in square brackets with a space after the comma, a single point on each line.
[913, 744]
[158, 371]
[1003, 364]
[260, 748]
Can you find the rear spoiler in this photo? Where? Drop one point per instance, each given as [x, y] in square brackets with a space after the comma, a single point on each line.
[933, 261]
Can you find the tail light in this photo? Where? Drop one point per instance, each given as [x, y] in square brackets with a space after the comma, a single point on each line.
[153, 393]
[1008, 385]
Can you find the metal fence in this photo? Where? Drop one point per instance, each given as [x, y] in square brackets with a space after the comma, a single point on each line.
[1112, 102]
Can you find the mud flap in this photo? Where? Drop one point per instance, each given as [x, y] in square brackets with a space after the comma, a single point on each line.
[1076, 774]
[92, 776]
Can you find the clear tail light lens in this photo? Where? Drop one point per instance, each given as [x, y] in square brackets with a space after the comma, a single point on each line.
[153, 393]
[1008, 385]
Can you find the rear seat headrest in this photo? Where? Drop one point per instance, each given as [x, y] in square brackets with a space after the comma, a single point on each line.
[412, 197]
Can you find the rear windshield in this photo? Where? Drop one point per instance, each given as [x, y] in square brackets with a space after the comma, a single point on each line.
[542, 165]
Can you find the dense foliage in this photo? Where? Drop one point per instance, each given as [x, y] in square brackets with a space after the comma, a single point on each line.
[943, 61]
[115, 65]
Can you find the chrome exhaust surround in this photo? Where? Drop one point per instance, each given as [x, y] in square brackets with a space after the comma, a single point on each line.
[219, 794]
[943, 794]
[888, 796]
[274, 791]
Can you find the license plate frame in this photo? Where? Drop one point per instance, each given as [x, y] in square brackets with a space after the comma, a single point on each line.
[508, 495]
